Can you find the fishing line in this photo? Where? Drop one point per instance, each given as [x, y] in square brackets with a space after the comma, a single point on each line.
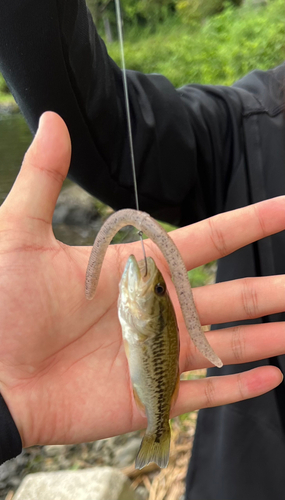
[127, 104]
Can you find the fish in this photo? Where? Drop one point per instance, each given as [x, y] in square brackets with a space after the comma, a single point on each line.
[149, 226]
[151, 342]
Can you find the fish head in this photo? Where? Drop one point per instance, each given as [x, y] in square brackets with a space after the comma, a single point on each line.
[142, 282]
[143, 295]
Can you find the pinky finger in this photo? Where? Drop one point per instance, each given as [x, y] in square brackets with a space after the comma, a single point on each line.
[217, 391]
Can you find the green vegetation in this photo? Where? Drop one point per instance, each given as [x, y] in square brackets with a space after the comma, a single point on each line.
[135, 12]
[190, 45]
[5, 96]
[221, 50]
[202, 275]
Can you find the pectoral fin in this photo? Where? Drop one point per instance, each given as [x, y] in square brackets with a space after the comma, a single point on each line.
[127, 349]
[139, 404]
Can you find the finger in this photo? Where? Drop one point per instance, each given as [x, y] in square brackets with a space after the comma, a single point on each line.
[246, 343]
[222, 234]
[45, 166]
[242, 299]
[216, 391]
[239, 344]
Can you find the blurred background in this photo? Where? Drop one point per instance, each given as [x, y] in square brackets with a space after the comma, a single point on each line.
[188, 41]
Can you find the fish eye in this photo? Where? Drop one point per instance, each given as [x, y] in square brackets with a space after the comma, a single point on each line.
[159, 289]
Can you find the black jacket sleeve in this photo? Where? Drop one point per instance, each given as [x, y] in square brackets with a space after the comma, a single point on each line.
[10, 440]
[53, 59]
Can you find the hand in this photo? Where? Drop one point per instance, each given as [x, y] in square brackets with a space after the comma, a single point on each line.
[63, 371]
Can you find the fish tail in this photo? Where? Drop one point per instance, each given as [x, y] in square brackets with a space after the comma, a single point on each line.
[154, 449]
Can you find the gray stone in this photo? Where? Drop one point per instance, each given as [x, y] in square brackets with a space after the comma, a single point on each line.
[125, 455]
[74, 206]
[4, 471]
[98, 483]
[142, 493]
[54, 450]
[103, 450]
[14, 481]
[8, 469]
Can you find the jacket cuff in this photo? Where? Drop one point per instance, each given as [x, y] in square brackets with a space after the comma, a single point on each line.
[10, 440]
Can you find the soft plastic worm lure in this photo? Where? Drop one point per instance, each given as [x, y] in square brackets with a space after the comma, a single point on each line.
[145, 223]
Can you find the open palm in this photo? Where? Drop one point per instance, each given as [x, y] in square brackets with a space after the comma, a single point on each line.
[63, 371]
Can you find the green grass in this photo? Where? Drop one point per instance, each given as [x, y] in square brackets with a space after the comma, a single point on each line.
[5, 96]
[220, 51]
[199, 276]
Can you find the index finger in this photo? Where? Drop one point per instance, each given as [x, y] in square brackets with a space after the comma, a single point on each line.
[222, 234]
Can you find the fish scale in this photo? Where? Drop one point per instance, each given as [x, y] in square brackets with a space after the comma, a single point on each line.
[151, 339]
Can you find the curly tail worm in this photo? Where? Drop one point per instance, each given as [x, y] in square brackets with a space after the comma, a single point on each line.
[144, 222]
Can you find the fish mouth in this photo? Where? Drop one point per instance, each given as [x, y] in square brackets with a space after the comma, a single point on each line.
[133, 271]
[134, 274]
[131, 276]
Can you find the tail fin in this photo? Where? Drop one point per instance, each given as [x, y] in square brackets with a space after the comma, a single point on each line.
[154, 449]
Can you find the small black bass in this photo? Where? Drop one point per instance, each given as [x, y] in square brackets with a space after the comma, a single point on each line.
[151, 343]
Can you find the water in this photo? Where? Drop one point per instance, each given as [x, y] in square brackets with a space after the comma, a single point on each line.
[15, 138]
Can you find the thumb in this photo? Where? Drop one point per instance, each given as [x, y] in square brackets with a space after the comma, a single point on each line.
[45, 166]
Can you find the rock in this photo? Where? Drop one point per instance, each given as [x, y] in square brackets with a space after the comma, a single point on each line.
[5, 470]
[14, 482]
[78, 216]
[103, 450]
[75, 207]
[142, 493]
[98, 483]
[125, 455]
[54, 450]
[119, 451]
